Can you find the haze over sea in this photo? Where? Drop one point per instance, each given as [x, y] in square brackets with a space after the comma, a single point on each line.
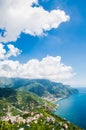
[74, 108]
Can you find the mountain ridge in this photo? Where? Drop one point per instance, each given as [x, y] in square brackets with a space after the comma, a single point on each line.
[25, 110]
[23, 104]
[41, 87]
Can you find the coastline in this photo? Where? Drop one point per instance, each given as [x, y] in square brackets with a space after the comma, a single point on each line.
[76, 122]
[56, 101]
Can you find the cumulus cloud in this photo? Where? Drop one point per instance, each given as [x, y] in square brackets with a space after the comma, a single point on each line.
[17, 16]
[2, 51]
[27, 16]
[48, 68]
[12, 51]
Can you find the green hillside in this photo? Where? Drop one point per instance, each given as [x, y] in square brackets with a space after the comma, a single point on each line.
[19, 101]
[43, 87]
[26, 111]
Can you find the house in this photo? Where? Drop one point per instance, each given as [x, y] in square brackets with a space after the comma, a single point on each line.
[65, 126]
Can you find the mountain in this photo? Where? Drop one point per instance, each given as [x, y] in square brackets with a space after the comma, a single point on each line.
[23, 110]
[28, 104]
[41, 87]
[18, 101]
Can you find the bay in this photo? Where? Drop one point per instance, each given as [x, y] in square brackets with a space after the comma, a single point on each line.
[74, 108]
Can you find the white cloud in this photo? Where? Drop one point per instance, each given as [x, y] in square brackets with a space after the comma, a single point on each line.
[12, 51]
[2, 51]
[17, 16]
[48, 68]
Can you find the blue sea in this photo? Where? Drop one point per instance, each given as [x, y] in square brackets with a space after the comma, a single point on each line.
[74, 108]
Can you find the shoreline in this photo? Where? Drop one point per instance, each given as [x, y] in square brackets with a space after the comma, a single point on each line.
[57, 104]
[59, 99]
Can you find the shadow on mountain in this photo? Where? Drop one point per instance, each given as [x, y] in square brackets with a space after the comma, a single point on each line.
[7, 92]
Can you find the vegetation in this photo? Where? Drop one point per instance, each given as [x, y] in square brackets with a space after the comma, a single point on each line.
[47, 88]
[17, 101]
[22, 109]
[47, 121]
[34, 85]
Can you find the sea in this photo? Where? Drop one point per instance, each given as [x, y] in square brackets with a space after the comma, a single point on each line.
[74, 108]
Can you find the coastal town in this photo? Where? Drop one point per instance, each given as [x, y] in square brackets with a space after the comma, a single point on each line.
[23, 110]
[34, 117]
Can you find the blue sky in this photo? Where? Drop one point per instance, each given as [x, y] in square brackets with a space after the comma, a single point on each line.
[67, 41]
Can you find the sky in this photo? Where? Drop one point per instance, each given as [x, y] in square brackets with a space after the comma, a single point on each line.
[43, 39]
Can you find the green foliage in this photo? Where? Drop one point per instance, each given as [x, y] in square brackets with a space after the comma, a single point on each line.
[20, 100]
[34, 85]
[38, 89]
[41, 123]
[48, 87]
[7, 92]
